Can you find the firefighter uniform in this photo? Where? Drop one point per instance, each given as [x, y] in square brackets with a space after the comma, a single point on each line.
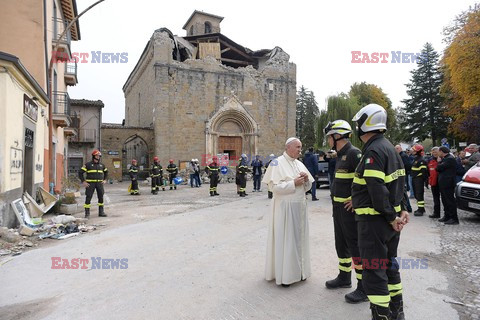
[156, 173]
[377, 194]
[344, 224]
[242, 176]
[212, 172]
[133, 172]
[96, 173]
[419, 179]
[172, 174]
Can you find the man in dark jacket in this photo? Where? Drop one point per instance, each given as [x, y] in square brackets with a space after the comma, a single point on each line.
[311, 162]
[257, 166]
[446, 183]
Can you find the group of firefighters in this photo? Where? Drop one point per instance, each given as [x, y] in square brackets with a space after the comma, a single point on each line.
[369, 205]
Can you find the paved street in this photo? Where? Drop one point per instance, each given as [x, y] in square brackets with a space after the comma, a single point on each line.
[191, 256]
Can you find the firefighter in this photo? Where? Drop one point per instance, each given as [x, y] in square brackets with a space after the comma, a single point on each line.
[133, 171]
[156, 173]
[96, 176]
[377, 198]
[345, 228]
[419, 178]
[242, 174]
[212, 172]
[172, 173]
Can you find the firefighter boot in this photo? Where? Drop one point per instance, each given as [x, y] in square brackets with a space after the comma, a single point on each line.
[380, 313]
[358, 295]
[242, 194]
[211, 194]
[341, 281]
[101, 212]
[396, 306]
[418, 213]
[270, 194]
[87, 213]
[215, 193]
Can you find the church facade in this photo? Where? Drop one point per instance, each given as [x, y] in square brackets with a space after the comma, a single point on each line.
[204, 95]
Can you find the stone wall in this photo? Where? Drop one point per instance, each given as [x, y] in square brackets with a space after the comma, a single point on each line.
[113, 140]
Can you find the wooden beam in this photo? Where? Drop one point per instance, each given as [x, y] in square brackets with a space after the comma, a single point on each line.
[236, 50]
[225, 50]
[246, 63]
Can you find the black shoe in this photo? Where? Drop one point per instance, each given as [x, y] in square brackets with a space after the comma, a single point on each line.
[211, 194]
[418, 213]
[270, 194]
[380, 313]
[442, 219]
[314, 199]
[215, 193]
[451, 221]
[409, 209]
[358, 295]
[396, 307]
[341, 281]
[101, 212]
[87, 212]
[242, 194]
[434, 216]
[171, 188]
[285, 285]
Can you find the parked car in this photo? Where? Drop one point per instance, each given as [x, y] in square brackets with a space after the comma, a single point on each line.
[467, 191]
[322, 178]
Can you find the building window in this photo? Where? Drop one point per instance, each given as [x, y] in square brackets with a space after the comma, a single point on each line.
[208, 27]
[191, 30]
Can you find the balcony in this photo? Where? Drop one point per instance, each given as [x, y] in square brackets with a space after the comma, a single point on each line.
[63, 42]
[71, 73]
[61, 109]
[85, 136]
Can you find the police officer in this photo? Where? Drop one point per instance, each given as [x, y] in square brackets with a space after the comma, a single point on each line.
[172, 173]
[419, 178]
[212, 172]
[133, 172]
[345, 228]
[242, 174]
[96, 176]
[156, 173]
[377, 198]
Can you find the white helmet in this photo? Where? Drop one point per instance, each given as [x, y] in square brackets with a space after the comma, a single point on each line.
[370, 118]
[341, 127]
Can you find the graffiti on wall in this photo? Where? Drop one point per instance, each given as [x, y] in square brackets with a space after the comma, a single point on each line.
[16, 160]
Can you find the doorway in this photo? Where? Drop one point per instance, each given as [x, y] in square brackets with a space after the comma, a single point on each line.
[230, 145]
[28, 162]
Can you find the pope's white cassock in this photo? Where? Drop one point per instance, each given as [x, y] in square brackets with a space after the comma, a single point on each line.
[288, 249]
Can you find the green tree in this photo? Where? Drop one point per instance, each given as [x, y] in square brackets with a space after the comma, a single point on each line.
[424, 109]
[367, 93]
[307, 113]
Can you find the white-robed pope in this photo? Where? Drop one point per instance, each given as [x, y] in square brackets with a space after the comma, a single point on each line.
[288, 249]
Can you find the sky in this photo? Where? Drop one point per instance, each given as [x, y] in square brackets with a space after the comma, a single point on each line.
[319, 36]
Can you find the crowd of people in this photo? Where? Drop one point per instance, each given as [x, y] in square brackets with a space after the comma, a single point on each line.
[440, 171]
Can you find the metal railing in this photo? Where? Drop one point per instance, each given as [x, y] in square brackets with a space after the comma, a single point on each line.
[58, 26]
[71, 68]
[61, 103]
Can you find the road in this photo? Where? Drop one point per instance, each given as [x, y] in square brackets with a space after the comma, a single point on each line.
[206, 263]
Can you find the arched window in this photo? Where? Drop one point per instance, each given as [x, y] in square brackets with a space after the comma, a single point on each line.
[208, 27]
[191, 30]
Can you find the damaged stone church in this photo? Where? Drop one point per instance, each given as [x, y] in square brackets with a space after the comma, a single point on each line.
[204, 94]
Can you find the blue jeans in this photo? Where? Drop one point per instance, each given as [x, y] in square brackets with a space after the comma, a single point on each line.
[193, 178]
[197, 179]
[256, 182]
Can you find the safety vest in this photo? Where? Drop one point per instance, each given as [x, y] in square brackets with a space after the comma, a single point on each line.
[172, 169]
[212, 169]
[156, 170]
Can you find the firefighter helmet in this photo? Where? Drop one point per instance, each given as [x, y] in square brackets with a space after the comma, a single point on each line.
[340, 127]
[155, 158]
[134, 160]
[171, 160]
[96, 153]
[371, 118]
[417, 148]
